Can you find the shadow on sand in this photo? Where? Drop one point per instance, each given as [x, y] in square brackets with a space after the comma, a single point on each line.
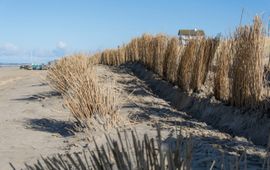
[252, 124]
[39, 96]
[39, 84]
[63, 128]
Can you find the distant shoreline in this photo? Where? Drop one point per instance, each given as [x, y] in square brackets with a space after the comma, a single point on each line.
[12, 64]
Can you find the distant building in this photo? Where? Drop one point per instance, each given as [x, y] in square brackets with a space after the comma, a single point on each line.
[185, 34]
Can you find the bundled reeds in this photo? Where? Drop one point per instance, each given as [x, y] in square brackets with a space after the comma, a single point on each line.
[146, 51]
[94, 58]
[131, 51]
[90, 103]
[204, 55]
[197, 72]
[114, 57]
[172, 59]
[60, 73]
[120, 56]
[108, 57]
[159, 44]
[186, 65]
[221, 80]
[247, 80]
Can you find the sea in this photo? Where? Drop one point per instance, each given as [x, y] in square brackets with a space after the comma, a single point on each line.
[12, 64]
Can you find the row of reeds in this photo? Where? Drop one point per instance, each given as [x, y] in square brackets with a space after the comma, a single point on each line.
[90, 103]
[235, 62]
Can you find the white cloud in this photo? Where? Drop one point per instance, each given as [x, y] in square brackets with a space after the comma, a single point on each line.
[8, 49]
[9, 46]
[11, 52]
[61, 45]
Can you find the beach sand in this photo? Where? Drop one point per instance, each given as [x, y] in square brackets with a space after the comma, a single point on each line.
[31, 117]
[33, 121]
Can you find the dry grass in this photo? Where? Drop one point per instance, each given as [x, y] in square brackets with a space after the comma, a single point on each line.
[267, 52]
[90, 102]
[172, 59]
[197, 73]
[204, 55]
[189, 65]
[159, 45]
[131, 51]
[186, 65]
[120, 56]
[95, 59]
[247, 80]
[107, 57]
[59, 74]
[146, 50]
[221, 86]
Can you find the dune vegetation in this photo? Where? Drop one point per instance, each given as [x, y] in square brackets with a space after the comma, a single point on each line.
[231, 69]
[90, 103]
[234, 64]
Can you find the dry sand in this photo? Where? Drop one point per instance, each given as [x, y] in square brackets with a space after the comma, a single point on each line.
[33, 121]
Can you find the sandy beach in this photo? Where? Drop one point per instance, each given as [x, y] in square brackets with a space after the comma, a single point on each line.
[34, 122]
[131, 85]
[32, 117]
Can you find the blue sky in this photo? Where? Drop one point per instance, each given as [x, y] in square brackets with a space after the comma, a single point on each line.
[51, 28]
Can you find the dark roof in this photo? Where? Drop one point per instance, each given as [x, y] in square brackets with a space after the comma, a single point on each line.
[191, 32]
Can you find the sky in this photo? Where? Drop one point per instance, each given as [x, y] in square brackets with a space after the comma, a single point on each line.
[42, 30]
